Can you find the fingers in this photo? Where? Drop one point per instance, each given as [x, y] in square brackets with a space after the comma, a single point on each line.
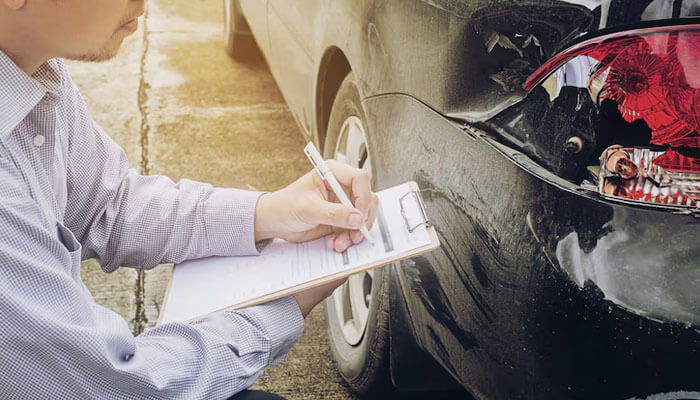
[372, 214]
[335, 214]
[355, 236]
[340, 241]
[359, 181]
[360, 184]
[328, 212]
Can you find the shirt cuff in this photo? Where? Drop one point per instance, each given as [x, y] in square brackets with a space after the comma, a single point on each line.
[282, 322]
[230, 222]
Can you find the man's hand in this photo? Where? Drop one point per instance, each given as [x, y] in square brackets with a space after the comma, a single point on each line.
[307, 209]
[309, 298]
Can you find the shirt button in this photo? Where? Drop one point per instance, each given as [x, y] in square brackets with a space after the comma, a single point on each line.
[39, 140]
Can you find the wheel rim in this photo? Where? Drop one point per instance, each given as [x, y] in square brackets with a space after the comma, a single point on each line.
[228, 20]
[352, 300]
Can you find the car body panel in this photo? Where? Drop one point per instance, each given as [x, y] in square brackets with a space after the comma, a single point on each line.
[291, 54]
[255, 12]
[493, 304]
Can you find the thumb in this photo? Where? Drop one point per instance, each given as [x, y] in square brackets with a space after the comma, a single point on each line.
[336, 214]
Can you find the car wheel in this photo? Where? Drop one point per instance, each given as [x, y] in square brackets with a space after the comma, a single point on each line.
[238, 39]
[357, 312]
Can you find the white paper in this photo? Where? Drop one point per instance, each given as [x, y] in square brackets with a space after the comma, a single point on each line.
[205, 285]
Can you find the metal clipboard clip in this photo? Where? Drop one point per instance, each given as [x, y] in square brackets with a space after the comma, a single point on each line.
[418, 205]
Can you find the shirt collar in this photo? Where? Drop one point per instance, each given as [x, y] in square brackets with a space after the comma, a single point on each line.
[20, 93]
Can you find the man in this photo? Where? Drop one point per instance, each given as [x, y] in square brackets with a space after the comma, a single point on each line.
[66, 194]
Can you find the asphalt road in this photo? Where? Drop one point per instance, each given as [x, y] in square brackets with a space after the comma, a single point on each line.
[181, 108]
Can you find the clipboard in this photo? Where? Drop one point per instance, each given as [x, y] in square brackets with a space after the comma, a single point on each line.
[401, 211]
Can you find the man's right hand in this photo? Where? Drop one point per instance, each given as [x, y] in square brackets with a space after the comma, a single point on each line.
[309, 298]
[307, 209]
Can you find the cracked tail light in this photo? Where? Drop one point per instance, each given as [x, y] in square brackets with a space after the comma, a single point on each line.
[651, 75]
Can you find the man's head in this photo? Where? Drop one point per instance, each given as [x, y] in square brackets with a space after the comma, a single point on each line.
[32, 31]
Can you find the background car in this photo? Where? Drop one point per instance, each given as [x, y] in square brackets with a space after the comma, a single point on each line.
[557, 147]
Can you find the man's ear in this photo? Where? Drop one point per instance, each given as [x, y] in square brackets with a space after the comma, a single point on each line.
[14, 4]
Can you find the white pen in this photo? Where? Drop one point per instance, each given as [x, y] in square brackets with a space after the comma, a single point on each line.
[327, 175]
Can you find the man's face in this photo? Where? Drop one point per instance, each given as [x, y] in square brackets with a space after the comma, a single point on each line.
[90, 30]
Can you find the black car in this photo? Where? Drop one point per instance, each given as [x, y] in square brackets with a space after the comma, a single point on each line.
[557, 145]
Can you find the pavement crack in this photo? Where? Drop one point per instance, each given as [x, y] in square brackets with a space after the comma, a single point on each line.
[144, 87]
[140, 319]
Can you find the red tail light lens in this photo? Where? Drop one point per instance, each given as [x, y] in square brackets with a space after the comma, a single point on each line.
[652, 75]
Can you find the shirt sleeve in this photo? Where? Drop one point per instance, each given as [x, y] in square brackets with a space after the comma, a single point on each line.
[58, 343]
[123, 218]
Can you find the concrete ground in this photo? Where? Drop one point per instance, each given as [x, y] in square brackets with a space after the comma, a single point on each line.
[181, 108]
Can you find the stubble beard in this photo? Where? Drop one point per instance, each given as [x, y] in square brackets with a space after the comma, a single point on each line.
[107, 52]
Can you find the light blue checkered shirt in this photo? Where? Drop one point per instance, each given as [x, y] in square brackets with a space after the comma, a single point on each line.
[66, 194]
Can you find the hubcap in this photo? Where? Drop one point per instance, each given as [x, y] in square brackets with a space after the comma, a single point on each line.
[352, 300]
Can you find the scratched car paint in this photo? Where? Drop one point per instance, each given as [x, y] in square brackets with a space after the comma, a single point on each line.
[544, 287]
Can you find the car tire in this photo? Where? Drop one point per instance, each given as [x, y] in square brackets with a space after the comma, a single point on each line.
[363, 363]
[238, 38]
